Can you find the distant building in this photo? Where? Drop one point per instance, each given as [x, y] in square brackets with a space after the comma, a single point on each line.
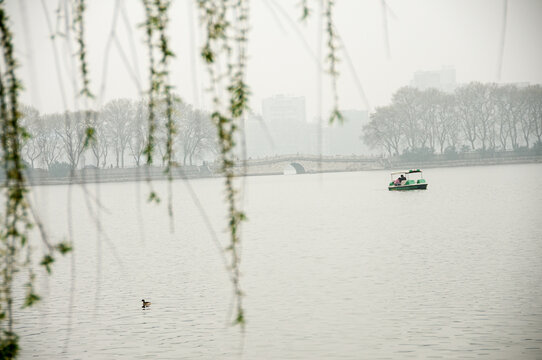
[285, 120]
[284, 109]
[259, 142]
[345, 138]
[283, 130]
[443, 79]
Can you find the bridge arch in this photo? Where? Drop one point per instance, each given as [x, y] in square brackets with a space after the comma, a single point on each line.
[299, 169]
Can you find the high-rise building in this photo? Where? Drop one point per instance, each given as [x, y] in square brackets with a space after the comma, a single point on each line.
[443, 79]
[282, 130]
[259, 142]
[284, 117]
[284, 109]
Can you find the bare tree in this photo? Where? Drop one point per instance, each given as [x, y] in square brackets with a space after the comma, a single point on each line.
[428, 107]
[446, 126]
[524, 115]
[49, 139]
[196, 133]
[117, 115]
[384, 130]
[518, 110]
[504, 113]
[484, 111]
[534, 110]
[73, 136]
[30, 146]
[465, 99]
[138, 131]
[406, 101]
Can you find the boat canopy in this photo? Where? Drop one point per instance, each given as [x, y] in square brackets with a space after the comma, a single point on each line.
[412, 171]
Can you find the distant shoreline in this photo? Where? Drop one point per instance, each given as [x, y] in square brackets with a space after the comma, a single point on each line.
[532, 159]
[42, 178]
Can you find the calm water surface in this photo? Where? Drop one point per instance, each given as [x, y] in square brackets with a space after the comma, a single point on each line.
[334, 267]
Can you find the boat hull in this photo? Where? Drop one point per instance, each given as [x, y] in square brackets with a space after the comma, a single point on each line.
[408, 187]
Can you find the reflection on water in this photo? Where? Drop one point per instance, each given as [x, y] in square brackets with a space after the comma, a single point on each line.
[334, 266]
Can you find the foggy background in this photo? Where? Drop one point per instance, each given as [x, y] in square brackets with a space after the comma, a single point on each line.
[383, 46]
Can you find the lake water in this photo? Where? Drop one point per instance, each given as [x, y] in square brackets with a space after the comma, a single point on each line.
[334, 266]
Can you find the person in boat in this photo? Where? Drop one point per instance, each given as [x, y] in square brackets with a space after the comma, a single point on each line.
[397, 181]
[402, 178]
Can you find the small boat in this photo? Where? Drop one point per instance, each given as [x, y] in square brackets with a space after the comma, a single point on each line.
[412, 180]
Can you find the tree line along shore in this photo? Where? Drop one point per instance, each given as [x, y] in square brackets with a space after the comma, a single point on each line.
[476, 124]
[487, 118]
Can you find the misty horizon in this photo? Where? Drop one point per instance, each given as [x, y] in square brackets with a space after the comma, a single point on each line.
[380, 50]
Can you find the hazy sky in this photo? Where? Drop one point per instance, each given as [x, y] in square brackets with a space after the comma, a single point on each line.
[423, 35]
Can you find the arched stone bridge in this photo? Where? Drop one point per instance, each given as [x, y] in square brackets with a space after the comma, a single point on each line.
[308, 164]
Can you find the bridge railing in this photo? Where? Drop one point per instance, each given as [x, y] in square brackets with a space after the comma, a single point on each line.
[311, 158]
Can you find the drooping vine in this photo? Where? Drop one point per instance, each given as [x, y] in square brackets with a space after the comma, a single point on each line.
[163, 76]
[239, 94]
[156, 22]
[225, 21]
[79, 27]
[306, 11]
[149, 30]
[333, 59]
[16, 221]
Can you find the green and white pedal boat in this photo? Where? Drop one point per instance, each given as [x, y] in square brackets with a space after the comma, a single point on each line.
[414, 180]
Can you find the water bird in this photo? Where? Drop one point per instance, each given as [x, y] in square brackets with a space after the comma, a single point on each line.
[145, 303]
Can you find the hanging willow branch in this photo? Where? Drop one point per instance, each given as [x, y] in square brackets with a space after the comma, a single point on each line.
[163, 78]
[217, 49]
[79, 26]
[332, 57]
[16, 221]
[306, 11]
[149, 29]
[333, 60]
[156, 22]
[239, 93]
